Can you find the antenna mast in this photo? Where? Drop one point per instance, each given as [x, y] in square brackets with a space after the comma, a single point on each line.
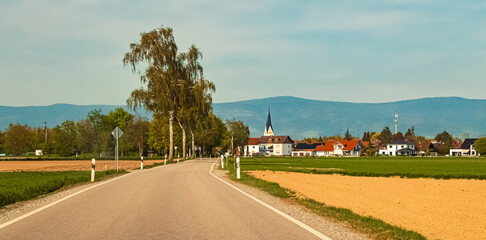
[396, 122]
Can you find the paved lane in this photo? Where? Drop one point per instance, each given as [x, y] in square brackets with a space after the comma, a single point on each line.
[177, 201]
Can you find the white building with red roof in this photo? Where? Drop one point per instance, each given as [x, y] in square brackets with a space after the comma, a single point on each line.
[252, 149]
[340, 148]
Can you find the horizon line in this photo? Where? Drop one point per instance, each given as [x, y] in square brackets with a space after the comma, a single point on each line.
[246, 100]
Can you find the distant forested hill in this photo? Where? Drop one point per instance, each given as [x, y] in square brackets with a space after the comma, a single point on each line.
[35, 116]
[301, 118]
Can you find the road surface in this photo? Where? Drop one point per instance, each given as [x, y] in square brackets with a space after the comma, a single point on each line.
[177, 201]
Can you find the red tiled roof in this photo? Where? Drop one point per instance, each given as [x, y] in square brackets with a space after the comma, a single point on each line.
[351, 144]
[253, 141]
[328, 147]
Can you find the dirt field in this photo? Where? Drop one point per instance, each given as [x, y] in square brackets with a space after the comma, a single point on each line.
[438, 209]
[82, 165]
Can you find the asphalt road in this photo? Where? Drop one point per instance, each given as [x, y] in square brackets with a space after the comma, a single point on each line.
[177, 201]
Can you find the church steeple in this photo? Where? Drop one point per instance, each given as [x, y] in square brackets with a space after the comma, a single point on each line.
[268, 127]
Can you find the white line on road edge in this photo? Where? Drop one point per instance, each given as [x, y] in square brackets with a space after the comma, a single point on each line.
[299, 223]
[56, 202]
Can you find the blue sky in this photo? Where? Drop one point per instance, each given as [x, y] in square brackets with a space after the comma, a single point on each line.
[356, 51]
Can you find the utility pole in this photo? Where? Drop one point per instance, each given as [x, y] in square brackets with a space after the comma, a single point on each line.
[396, 123]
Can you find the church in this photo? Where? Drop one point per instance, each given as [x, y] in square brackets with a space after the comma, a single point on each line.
[269, 144]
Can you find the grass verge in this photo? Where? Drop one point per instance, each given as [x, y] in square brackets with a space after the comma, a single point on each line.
[375, 228]
[21, 186]
[405, 167]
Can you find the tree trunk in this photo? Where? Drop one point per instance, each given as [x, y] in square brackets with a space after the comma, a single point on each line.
[183, 140]
[171, 136]
[232, 146]
[140, 147]
[193, 147]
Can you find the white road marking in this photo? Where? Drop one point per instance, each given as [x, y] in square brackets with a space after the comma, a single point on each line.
[299, 223]
[56, 202]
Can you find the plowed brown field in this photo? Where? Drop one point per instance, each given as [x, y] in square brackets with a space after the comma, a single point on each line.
[81, 165]
[438, 209]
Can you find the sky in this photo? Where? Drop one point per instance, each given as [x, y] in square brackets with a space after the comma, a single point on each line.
[353, 51]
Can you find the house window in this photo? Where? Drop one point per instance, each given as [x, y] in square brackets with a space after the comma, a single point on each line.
[390, 146]
[402, 146]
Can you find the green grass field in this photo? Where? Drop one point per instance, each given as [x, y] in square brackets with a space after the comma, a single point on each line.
[410, 167]
[21, 186]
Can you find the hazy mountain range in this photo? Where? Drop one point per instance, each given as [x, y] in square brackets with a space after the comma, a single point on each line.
[301, 118]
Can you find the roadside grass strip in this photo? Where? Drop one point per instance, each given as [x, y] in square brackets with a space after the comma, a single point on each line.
[21, 186]
[405, 167]
[375, 228]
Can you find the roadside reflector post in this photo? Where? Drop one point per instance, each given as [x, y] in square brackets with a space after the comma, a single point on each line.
[165, 160]
[222, 161]
[92, 169]
[238, 168]
[141, 162]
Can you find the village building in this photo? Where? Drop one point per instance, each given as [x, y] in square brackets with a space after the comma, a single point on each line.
[340, 148]
[269, 144]
[252, 149]
[305, 149]
[275, 145]
[467, 148]
[399, 148]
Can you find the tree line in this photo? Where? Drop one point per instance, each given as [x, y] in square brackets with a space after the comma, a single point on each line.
[91, 137]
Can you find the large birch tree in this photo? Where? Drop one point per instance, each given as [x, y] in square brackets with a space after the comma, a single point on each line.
[173, 85]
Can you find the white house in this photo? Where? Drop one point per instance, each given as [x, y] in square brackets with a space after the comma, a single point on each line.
[275, 145]
[467, 148]
[253, 147]
[305, 149]
[399, 148]
[340, 148]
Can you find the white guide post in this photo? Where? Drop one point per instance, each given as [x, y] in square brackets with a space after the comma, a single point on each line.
[92, 169]
[165, 160]
[222, 161]
[238, 168]
[141, 162]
